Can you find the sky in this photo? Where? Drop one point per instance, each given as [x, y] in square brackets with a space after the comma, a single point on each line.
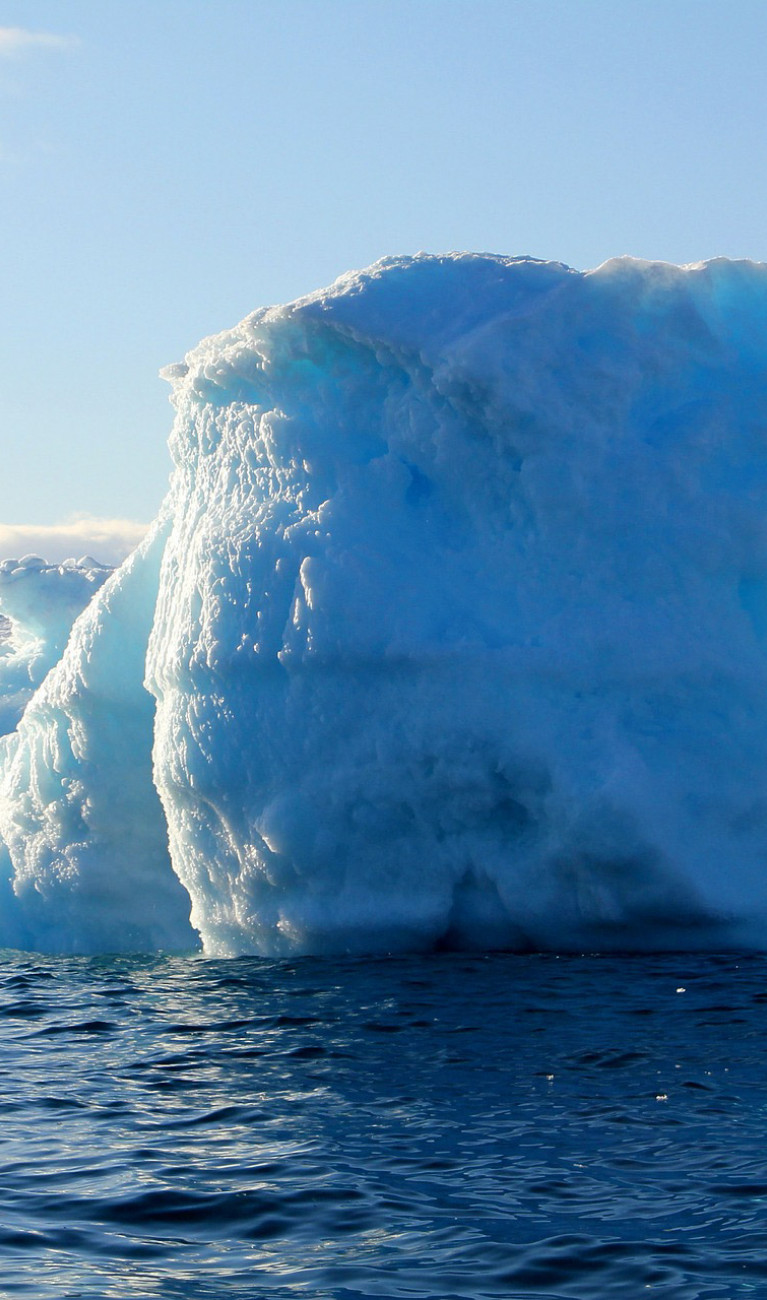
[167, 166]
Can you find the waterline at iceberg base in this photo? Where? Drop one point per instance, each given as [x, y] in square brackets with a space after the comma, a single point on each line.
[452, 631]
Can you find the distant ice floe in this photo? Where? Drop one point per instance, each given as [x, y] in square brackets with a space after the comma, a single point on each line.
[452, 631]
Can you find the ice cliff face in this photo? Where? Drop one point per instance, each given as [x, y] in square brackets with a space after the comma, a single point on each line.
[459, 634]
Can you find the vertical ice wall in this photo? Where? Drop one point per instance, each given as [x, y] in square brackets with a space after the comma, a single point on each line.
[461, 625]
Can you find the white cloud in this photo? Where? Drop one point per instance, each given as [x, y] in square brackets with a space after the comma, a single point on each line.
[107, 540]
[14, 40]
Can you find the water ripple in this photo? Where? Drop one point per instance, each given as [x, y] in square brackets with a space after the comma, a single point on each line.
[569, 1129]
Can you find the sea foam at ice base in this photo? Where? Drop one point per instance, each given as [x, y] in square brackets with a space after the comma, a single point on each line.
[455, 620]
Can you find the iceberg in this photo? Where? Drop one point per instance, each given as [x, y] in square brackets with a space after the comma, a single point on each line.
[452, 632]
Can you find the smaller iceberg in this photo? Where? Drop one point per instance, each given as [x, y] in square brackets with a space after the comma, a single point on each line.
[39, 602]
[85, 857]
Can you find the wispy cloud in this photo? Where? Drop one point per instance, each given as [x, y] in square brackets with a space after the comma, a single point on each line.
[107, 540]
[16, 40]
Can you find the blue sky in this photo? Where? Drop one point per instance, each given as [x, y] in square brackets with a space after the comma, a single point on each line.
[166, 166]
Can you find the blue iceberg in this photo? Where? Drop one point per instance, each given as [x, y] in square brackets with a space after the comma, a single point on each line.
[452, 631]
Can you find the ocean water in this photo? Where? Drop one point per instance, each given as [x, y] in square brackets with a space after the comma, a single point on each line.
[435, 1126]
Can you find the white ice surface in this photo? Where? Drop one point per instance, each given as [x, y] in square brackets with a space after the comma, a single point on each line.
[39, 602]
[460, 633]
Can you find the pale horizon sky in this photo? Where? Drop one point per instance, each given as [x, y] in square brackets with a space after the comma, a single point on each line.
[168, 166]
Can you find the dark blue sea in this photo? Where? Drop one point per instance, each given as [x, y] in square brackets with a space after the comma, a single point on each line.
[435, 1126]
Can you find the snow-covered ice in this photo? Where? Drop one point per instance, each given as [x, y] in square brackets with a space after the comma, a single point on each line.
[455, 620]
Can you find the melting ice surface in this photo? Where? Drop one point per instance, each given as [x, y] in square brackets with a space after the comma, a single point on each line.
[452, 631]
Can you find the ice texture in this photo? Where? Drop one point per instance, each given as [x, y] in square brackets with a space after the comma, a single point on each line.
[39, 602]
[458, 611]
